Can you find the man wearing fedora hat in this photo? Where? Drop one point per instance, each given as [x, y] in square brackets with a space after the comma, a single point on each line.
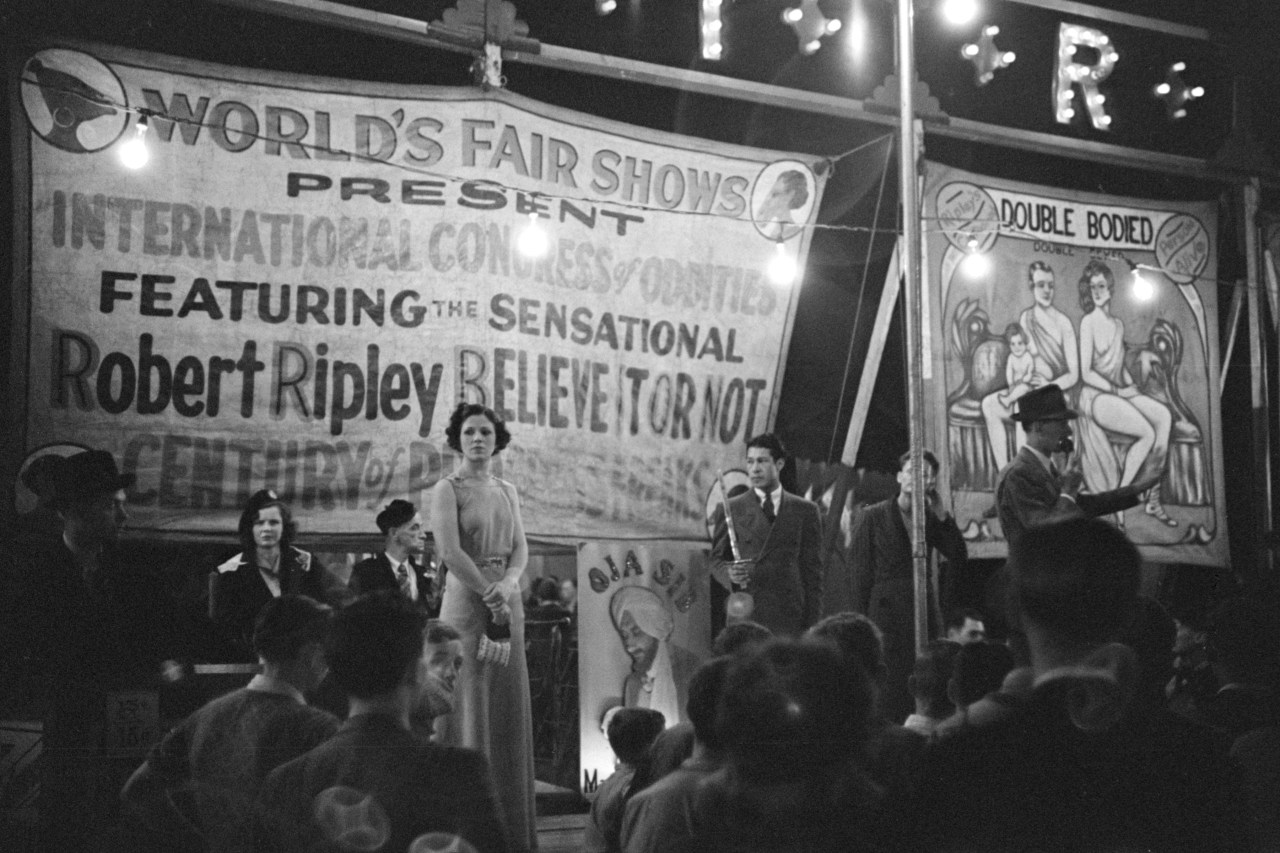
[1031, 490]
[94, 636]
[399, 566]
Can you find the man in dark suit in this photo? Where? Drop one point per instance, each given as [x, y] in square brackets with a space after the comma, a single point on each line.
[883, 574]
[88, 633]
[376, 784]
[399, 566]
[781, 534]
[1031, 489]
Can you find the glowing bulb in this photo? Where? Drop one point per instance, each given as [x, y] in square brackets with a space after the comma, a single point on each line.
[969, 51]
[533, 241]
[812, 47]
[1143, 289]
[991, 31]
[1197, 92]
[1009, 57]
[792, 15]
[605, 7]
[134, 153]
[959, 12]
[855, 33]
[1179, 67]
[975, 263]
[782, 267]
[833, 25]
[1162, 89]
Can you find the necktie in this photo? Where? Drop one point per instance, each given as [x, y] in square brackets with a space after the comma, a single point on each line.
[769, 514]
[402, 577]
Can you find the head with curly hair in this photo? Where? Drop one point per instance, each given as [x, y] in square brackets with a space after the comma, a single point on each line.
[453, 432]
[1095, 269]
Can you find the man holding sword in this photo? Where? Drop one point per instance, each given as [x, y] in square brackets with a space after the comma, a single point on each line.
[774, 552]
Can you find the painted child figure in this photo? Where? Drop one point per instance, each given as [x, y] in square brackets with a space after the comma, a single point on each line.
[1023, 368]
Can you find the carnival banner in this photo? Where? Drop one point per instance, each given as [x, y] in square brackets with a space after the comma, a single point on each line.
[309, 274]
[644, 625]
[1113, 299]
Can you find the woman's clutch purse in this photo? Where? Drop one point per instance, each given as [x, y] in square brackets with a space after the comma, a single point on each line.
[495, 642]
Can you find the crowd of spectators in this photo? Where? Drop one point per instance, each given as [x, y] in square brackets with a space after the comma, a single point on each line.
[1102, 722]
[1075, 733]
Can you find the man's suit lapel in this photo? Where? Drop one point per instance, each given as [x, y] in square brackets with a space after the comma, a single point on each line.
[383, 563]
[1043, 477]
[750, 519]
[786, 507]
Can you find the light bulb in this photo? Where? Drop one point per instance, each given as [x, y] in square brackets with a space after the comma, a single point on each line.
[959, 12]
[134, 153]
[533, 241]
[975, 263]
[1143, 289]
[782, 267]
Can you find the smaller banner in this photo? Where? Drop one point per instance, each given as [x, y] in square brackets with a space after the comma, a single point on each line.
[643, 628]
[1112, 299]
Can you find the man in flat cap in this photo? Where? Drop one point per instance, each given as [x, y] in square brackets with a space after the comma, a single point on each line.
[399, 566]
[1032, 490]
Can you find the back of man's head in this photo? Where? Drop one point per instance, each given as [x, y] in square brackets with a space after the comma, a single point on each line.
[286, 624]
[931, 674]
[1077, 580]
[632, 731]
[979, 669]
[857, 640]
[705, 689]
[374, 643]
[740, 636]
[791, 709]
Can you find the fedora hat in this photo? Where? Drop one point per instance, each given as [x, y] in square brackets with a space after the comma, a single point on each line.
[88, 474]
[1046, 403]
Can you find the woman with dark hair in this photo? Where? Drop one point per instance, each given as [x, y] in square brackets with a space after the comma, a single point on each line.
[475, 520]
[267, 567]
[1110, 401]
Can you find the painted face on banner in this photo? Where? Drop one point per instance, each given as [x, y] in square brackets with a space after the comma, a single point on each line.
[1017, 344]
[1100, 290]
[640, 646]
[1042, 288]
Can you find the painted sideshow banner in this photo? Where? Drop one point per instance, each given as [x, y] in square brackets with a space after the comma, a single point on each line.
[643, 628]
[1059, 301]
[309, 274]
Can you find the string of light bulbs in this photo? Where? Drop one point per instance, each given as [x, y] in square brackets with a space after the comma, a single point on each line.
[146, 115]
[534, 240]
